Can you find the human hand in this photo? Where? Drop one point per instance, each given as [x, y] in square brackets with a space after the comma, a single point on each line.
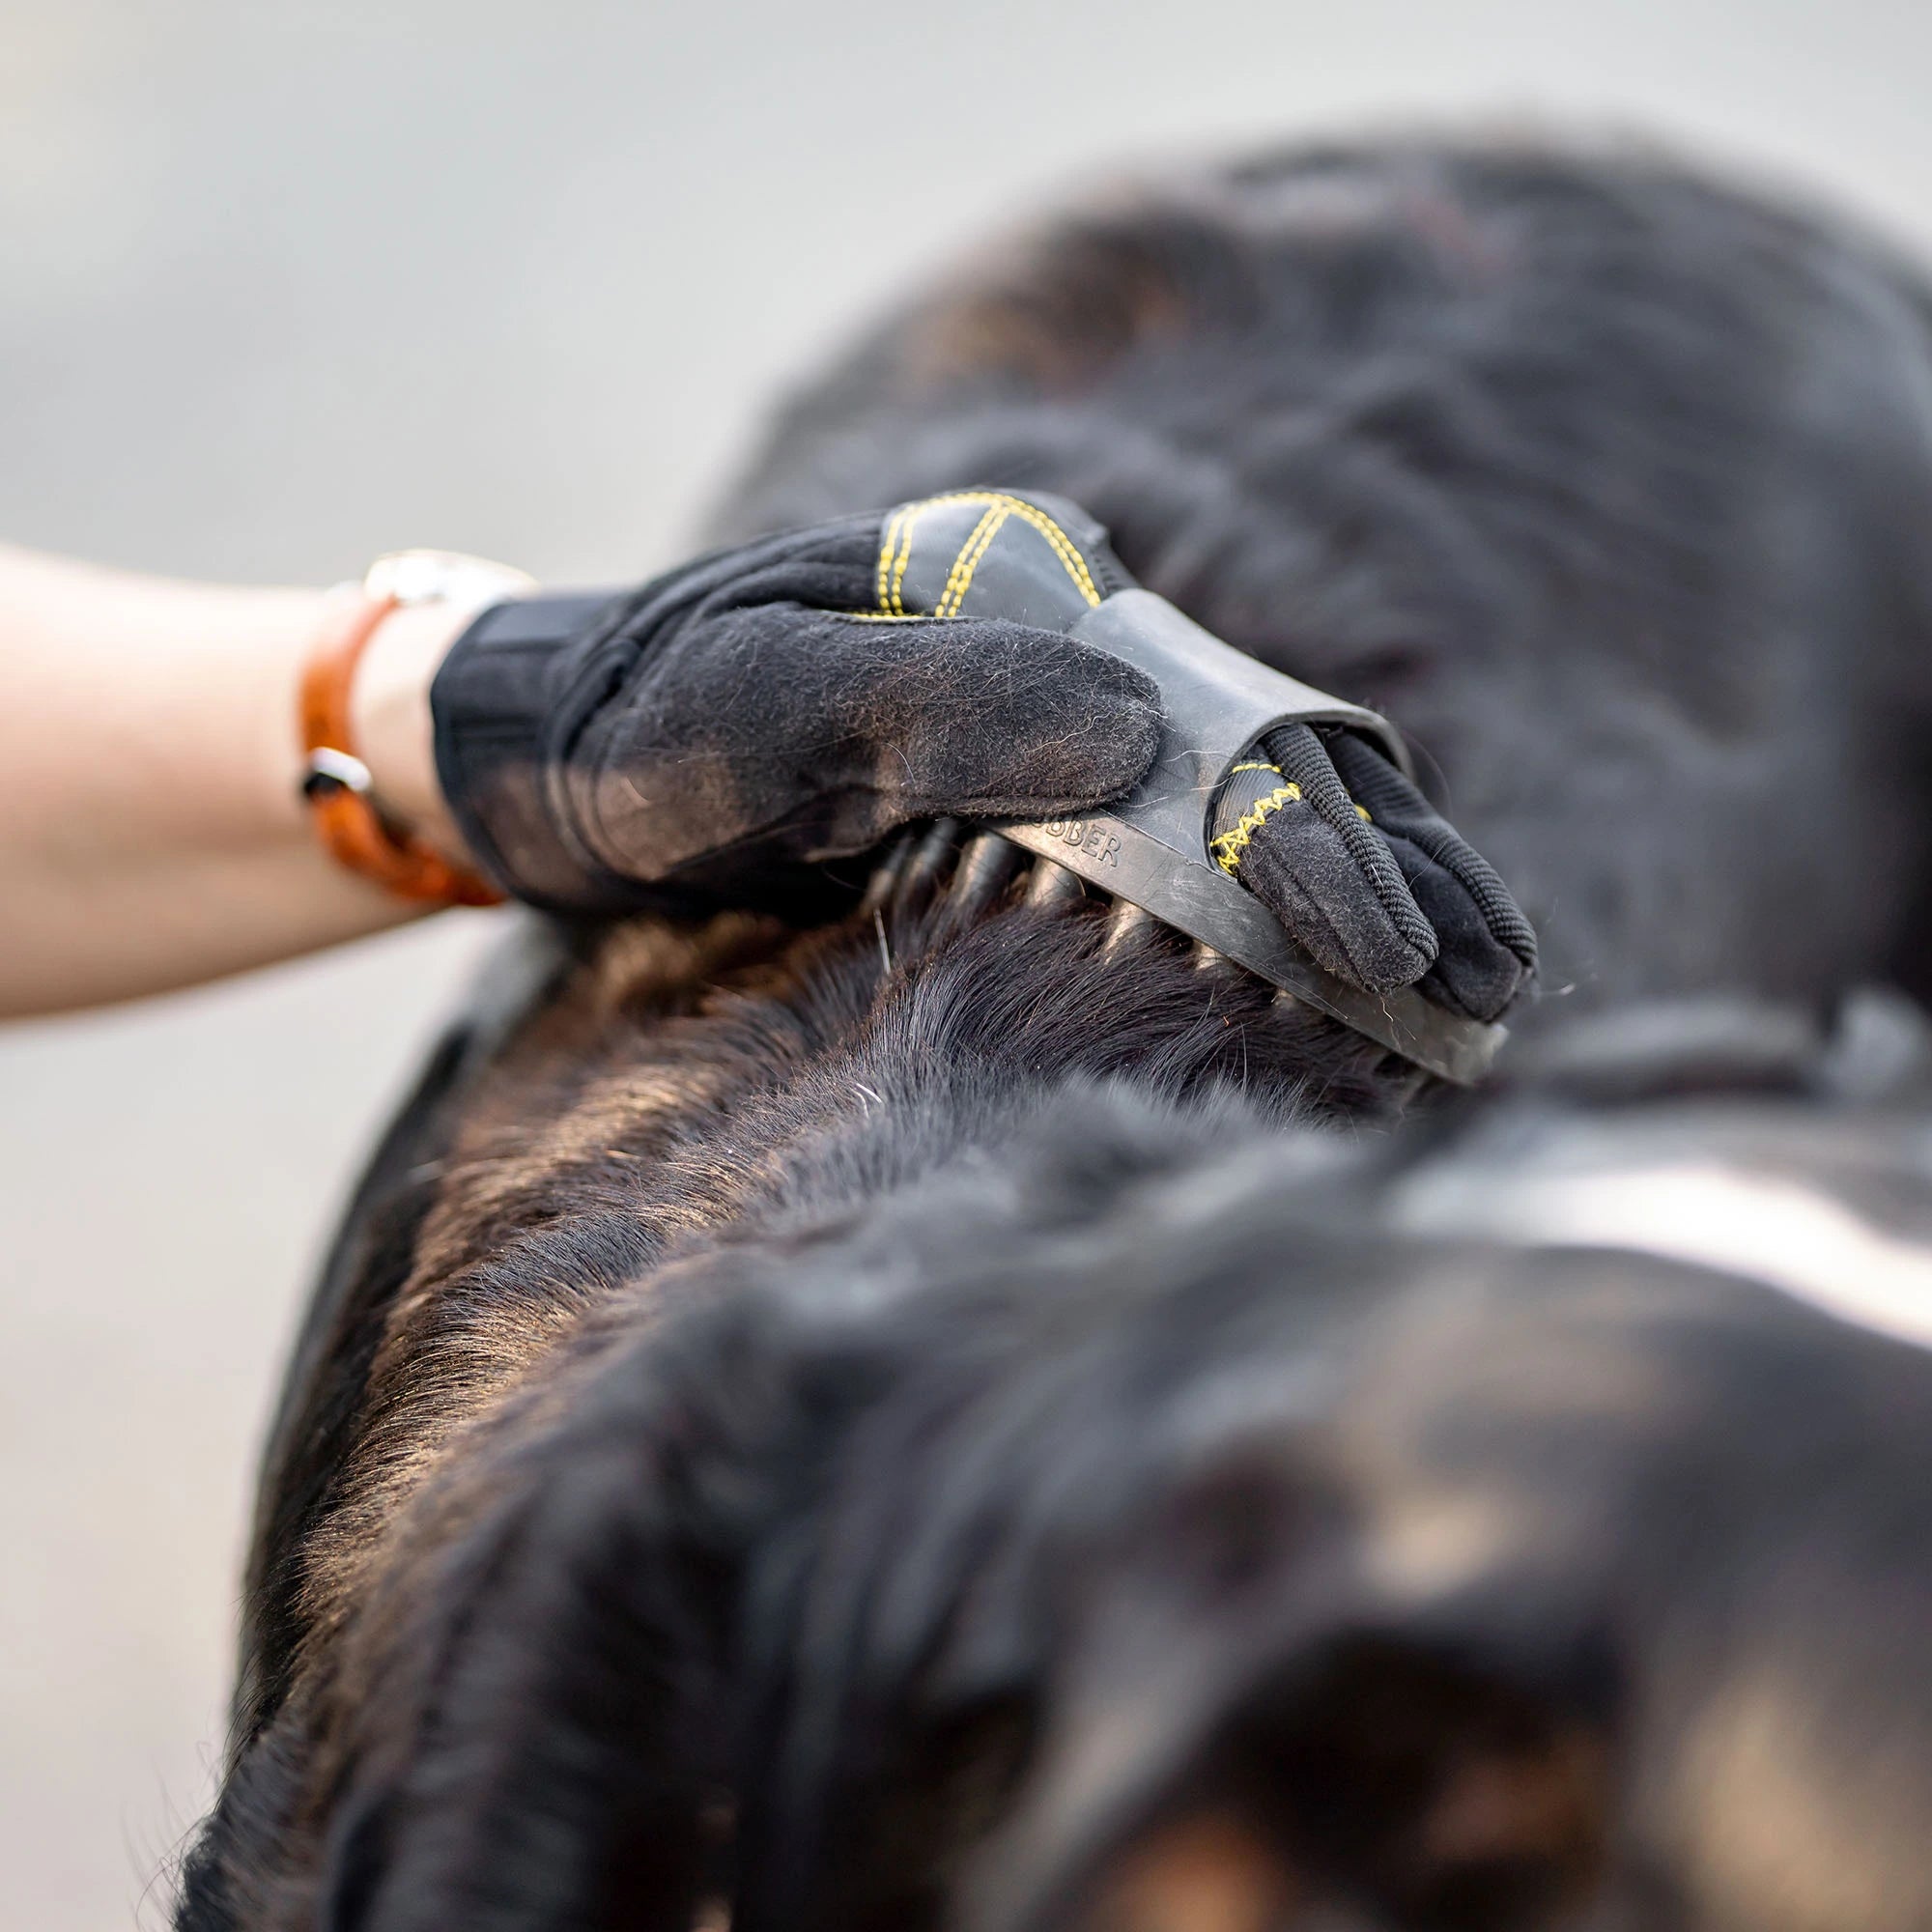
[794, 700]
[712, 735]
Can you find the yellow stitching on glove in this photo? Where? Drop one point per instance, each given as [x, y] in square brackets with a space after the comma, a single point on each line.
[959, 579]
[912, 516]
[1256, 765]
[905, 521]
[1228, 847]
[888, 544]
[1061, 544]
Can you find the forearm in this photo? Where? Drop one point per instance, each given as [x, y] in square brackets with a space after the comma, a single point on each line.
[154, 833]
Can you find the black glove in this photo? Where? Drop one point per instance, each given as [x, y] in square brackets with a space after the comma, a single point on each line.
[702, 739]
[1365, 872]
[708, 737]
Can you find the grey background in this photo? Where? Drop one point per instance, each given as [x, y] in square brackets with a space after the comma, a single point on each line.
[283, 285]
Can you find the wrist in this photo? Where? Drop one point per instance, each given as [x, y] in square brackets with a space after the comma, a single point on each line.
[390, 711]
[494, 708]
[365, 713]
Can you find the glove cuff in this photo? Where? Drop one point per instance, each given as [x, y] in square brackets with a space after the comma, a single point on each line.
[490, 703]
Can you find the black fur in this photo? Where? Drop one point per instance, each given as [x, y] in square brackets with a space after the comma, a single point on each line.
[775, 1391]
[1610, 485]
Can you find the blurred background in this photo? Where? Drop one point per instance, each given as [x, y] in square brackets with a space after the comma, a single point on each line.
[284, 285]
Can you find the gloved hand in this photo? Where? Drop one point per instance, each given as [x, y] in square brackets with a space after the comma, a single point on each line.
[702, 739]
[709, 736]
[1365, 872]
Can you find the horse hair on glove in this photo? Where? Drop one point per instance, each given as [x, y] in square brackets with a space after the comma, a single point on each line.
[709, 737]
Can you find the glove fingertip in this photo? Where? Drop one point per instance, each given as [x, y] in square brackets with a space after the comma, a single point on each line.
[1088, 727]
[1077, 763]
[1308, 880]
[1481, 969]
[1133, 728]
[1481, 988]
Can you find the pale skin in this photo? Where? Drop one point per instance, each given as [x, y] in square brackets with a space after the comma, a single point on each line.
[151, 828]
